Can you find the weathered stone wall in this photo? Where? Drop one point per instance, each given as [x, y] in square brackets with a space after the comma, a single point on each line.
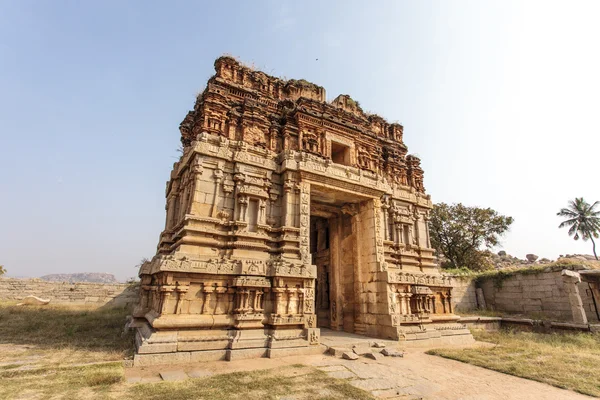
[463, 294]
[527, 293]
[100, 294]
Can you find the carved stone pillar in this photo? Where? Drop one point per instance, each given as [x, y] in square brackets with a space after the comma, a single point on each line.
[304, 211]
[230, 300]
[208, 292]
[181, 290]
[170, 208]
[280, 304]
[261, 211]
[287, 189]
[232, 128]
[386, 225]
[218, 175]
[239, 180]
[165, 295]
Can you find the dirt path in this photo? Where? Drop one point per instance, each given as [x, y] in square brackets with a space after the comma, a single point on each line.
[421, 376]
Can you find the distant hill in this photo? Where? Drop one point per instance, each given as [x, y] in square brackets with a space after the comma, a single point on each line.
[95, 277]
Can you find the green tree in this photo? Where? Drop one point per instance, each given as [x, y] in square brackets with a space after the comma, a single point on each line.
[459, 233]
[583, 220]
[2, 270]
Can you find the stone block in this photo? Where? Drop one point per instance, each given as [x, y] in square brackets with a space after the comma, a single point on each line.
[144, 360]
[295, 351]
[391, 353]
[243, 354]
[349, 355]
[279, 344]
[153, 348]
[338, 351]
[208, 355]
[374, 356]
[200, 345]
[362, 351]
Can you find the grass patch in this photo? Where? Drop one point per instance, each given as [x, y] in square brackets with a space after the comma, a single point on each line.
[569, 361]
[40, 348]
[60, 327]
[263, 385]
[95, 381]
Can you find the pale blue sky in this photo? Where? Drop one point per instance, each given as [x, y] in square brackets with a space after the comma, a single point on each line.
[499, 99]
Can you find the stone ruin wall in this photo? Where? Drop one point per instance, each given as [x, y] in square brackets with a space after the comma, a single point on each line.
[81, 293]
[464, 297]
[541, 295]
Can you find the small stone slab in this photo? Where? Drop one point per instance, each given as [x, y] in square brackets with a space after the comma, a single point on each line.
[392, 353]
[348, 355]
[199, 373]
[374, 356]
[173, 375]
[378, 345]
[341, 374]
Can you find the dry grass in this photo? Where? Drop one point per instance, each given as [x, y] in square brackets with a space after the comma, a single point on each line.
[308, 383]
[45, 382]
[569, 361]
[42, 349]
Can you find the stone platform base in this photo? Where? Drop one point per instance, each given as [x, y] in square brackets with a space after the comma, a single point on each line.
[189, 357]
[182, 346]
[192, 346]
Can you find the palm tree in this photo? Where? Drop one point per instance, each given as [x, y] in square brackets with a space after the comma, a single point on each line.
[582, 219]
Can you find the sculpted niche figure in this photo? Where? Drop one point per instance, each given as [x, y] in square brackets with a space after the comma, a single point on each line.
[284, 215]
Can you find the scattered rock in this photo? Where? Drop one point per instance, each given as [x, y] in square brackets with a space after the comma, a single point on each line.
[350, 355]
[338, 351]
[361, 351]
[531, 258]
[374, 356]
[378, 345]
[392, 353]
[33, 301]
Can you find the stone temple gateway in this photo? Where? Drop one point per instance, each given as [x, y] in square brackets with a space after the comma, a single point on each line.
[286, 214]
